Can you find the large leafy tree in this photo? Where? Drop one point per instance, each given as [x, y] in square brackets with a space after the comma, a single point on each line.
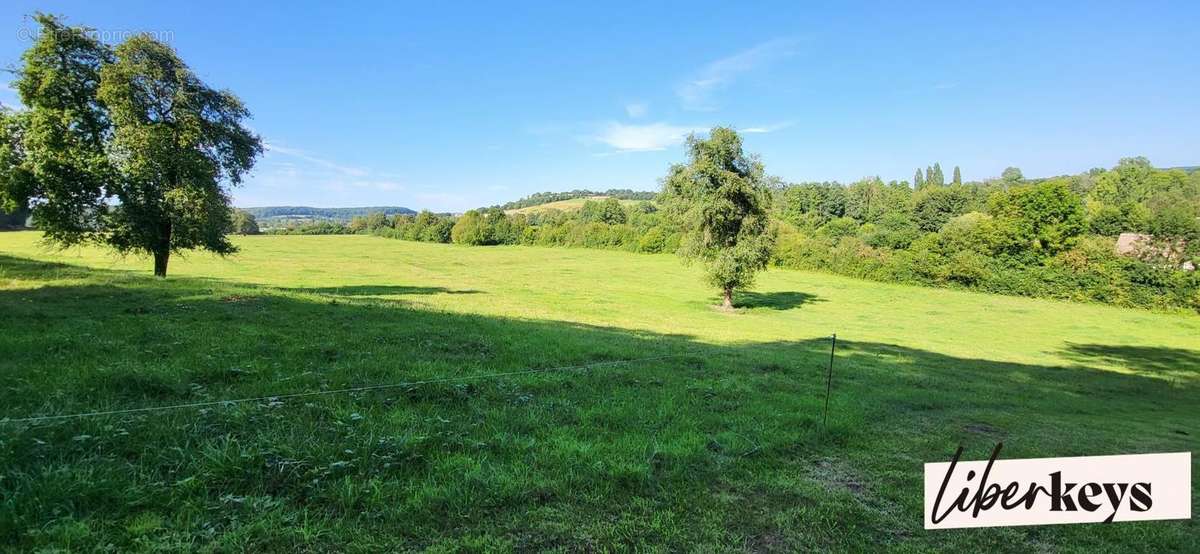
[177, 144]
[1047, 217]
[934, 206]
[53, 154]
[720, 201]
[123, 147]
[244, 223]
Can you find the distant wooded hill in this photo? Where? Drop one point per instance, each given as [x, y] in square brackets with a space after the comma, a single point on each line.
[540, 198]
[282, 216]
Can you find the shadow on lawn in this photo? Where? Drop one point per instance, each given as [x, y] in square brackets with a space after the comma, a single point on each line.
[1147, 359]
[188, 323]
[714, 419]
[378, 290]
[784, 300]
[12, 267]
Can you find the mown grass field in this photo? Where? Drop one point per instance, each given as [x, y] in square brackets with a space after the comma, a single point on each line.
[718, 448]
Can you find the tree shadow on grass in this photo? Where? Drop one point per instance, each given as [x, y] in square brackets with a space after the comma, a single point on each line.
[714, 420]
[783, 300]
[1141, 359]
[12, 267]
[379, 290]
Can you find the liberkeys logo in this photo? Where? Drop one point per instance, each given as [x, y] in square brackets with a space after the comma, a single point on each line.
[1042, 491]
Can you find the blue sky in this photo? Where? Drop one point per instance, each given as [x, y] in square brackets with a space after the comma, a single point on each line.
[450, 106]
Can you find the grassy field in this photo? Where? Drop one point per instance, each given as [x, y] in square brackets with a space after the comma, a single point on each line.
[720, 447]
[566, 205]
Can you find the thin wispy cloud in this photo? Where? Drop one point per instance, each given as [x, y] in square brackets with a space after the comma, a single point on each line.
[768, 128]
[637, 109]
[623, 137]
[296, 153]
[651, 137]
[698, 93]
[299, 169]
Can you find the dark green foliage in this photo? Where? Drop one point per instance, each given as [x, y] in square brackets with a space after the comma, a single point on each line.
[489, 226]
[810, 205]
[1012, 175]
[424, 227]
[178, 144]
[1044, 218]
[719, 200]
[368, 223]
[608, 211]
[124, 147]
[53, 156]
[243, 224]
[1030, 242]
[866, 199]
[934, 206]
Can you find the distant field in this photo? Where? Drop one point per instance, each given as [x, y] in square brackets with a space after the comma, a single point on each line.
[718, 448]
[565, 205]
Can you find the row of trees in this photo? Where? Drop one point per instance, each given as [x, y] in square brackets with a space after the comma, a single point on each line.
[1048, 237]
[122, 146]
[1043, 237]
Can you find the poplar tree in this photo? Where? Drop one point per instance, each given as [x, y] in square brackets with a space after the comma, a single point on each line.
[957, 176]
[939, 179]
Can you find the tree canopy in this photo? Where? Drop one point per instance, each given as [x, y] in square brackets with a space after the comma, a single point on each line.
[125, 147]
[53, 156]
[720, 201]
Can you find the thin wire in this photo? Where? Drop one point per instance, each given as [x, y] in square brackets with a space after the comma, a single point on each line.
[278, 397]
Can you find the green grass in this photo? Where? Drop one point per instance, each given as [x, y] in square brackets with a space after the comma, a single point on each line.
[567, 205]
[720, 448]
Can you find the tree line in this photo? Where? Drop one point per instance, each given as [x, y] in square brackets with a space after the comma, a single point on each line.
[1051, 237]
[1031, 237]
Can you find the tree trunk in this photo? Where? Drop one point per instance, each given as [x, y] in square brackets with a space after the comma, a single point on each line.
[160, 262]
[727, 303]
[162, 251]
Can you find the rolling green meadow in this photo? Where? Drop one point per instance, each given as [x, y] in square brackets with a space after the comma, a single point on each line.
[710, 440]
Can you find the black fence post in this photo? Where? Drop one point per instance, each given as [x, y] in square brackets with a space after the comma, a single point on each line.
[829, 379]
